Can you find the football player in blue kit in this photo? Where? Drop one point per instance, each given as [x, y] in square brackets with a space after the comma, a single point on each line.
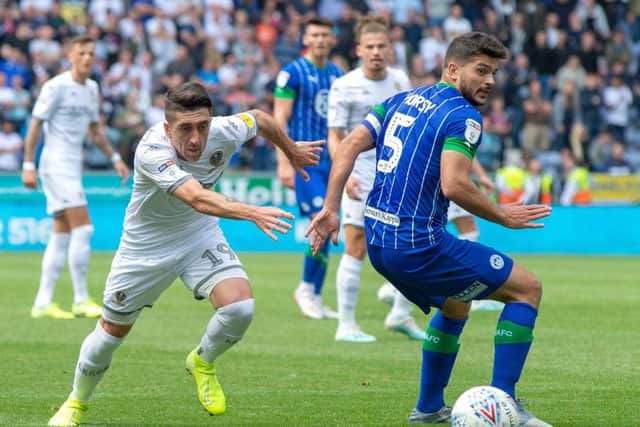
[425, 143]
[300, 107]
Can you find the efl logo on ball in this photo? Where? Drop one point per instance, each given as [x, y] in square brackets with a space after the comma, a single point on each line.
[485, 406]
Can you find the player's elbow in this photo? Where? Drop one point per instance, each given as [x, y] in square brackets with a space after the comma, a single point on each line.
[451, 188]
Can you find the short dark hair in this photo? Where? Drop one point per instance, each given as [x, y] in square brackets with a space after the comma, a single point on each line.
[319, 21]
[189, 96]
[471, 45]
[83, 39]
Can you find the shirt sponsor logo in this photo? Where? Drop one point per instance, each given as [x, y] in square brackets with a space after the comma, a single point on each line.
[282, 79]
[472, 291]
[472, 131]
[381, 216]
[165, 165]
[247, 119]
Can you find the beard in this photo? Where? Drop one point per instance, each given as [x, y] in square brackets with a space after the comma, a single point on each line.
[468, 93]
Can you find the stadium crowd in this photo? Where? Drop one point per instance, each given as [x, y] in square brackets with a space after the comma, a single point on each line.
[570, 88]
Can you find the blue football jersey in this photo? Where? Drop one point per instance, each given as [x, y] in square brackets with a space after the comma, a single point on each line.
[406, 207]
[309, 86]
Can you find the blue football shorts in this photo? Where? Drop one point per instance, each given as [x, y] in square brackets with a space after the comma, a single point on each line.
[452, 268]
[310, 194]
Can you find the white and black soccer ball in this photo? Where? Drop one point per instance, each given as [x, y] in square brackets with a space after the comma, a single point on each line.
[485, 406]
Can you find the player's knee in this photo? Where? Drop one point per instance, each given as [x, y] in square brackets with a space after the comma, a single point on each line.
[535, 290]
[115, 330]
[84, 232]
[237, 316]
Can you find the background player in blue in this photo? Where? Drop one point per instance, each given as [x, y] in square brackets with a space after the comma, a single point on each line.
[302, 90]
[425, 142]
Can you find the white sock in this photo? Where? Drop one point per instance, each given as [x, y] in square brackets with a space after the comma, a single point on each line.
[347, 289]
[52, 264]
[226, 328]
[95, 357]
[472, 236]
[79, 253]
[401, 307]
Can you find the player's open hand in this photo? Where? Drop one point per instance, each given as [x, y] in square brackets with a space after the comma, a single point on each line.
[353, 188]
[29, 179]
[268, 219]
[521, 216]
[324, 225]
[306, 154]
[123, 171]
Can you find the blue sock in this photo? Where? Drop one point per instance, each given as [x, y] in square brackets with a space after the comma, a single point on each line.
[315, 267]
[514, 334]
[439, 351]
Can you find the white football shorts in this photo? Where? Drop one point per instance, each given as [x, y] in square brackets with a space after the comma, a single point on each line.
[136, 282]
[353, 210]
[62, 192]
[456, 212]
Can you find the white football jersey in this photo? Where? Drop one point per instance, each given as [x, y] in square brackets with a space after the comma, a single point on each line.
[350, 99]
[156, 222]
[67, 108]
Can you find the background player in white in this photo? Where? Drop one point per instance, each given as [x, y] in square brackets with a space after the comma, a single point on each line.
[171, 230]
[350, 99]
[69, 105]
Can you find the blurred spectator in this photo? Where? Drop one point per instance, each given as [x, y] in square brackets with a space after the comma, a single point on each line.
[432, 49]
[498, 123]
[455, 24]
[574, 31]
[155, 113]
[544, 60]
[593, 17]
[132, 125]
[100, 9]
[589, 52]
[572, 70]
[287, 49]
[45, 44]
[208, 74]
[533, 11]
[537, 116]
[576, 189]
[266, 32]
[590, 104]
[162, 39]
[437, 11]
[11, 145]
[518, 36]
[21, 103]
[617, 164]
[6, 94]
[183, 64]
[566, 117]
[413, 29]
[401, 48]
[600, 151]
[617, 49]
[538, 186]
[617, 99]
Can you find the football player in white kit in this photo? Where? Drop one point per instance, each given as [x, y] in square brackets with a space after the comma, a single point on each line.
[69, 107]
[171, 230]
[350, 99]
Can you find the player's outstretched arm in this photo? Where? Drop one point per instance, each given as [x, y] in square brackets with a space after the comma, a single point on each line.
[298, 154]
[282, 109]
[267, 218]
[99, 139]
[327, 223]
[29, 178]
[455, 169]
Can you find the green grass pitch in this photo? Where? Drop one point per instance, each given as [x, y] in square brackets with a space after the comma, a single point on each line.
[583, 369]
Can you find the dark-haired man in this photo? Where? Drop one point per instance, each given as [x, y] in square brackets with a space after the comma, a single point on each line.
[171, 230]
[302, 90]
[425, 143]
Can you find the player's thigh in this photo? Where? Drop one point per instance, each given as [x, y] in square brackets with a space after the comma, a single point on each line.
[77, 216]
[62, 192]
[521, 285]
[135, 282]
[208, 263]
[353, 220]
[310, 194]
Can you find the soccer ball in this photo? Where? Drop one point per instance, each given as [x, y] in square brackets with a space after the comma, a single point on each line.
[485, 406]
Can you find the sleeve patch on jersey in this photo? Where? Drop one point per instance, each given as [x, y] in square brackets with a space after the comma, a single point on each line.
[165, 165]
[379, 110]
[373, 122]
[247, 119]
[284, 93]
[282, 79]
[473, 131]
[460, 145]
